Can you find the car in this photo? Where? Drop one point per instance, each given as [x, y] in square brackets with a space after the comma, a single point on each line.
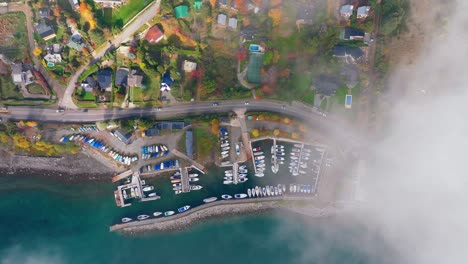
[246, 103]
[85, 110]
[159, 108]
[60, 110]
[215, 104]
[283, 107]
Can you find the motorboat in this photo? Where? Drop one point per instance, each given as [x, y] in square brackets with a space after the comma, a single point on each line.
[193, 175]
[258, 162]
[260, 165]
[257, 190]
[224, 156]
[257, 149]
[258, 153]
[295, 150]
[298, 145]
[224, 152]
[183, 209]
[174, 177]
[259, 169]
[223, 138]
[178, 191]
[249, 193]
[280, 191]
[259, 158]
[156, 214]
[169, 213]
[240, 196]
[142, 217]
[224, 145]
[227, 182]
[195, 187]
[228, 174]
[152, 194]
[268, 190]
[279, 154]
[126, 220]
[176, 181]
[148, 188]
[294, 188]
[276, 190]
[280, 158]
[290, 188]
[294, 154]
[228, 171]
[284, 188]
[243, 167]
[209, 200]
[228, 178]
[226, 148]
[302, 172]
[294, 158]
[264, 191]
[226, 196]
[177, 184]
[237, 149]
[242, 175]
[194, 179]
[243, 179]
[259, 174]
[243, 171]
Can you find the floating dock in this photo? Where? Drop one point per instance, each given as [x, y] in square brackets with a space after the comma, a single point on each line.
[235, 173]
[185, 180]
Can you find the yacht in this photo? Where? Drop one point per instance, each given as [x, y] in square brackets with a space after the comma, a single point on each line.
[169, 213]
[156, 214]
[302, 172]
[253, 192]
[126, 220]
[193, 175]
[142, 217]
[243, 167]
[240, 196]
[194, 179]
[243, 171]
[257, 149]
[249, 193]
[243, 179]
[178, 191]
[237, 149]
[209, 200]
[183, 209]
[258, 162]
[152, 194]
[227, 182]
[257, 190]
[226, 196]
[296, 150]
[284, 188]
[290, 188]
[294, 158]
[260, 165]
[276, 191]
[298, 145]
[258, 153]
[178, 188]
[195, 187]
[260, 169]
[224, 156]
[148, 188]
[224, 145]
[226, 148]
[259, 174]
[228, 174]
[228, 178]
[259, 158]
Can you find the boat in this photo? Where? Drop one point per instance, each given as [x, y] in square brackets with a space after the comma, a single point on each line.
[183, 209]
[259, 174]
[290, 188]
[260, 165]
[243, 171]
[294, 157]
[276, 190]
[142, 217]
[169, 213]
[284, 188]
[228, 171]
[226, 196]
[175, 177]
[264, 191]
[176, 181]
[240, 196]
[192, 175]
[237, 149]
[177, 184]
[152, 194]
[260, 169]
[228, 178]
[257, 190]
[228, 174]
[298, 145]
[227, 182]
[249, 193]
[257, 149]
[156, 214]
[224, 152]
[224, 145]
[280, 190]
[294, 188]
[148, 188]
[243, 179]
[302, 172]
[195, 187]
[209, 200]
[258, 153]
[280, 158]
[296, 150]
[194, 179]
[178, 191]
[268, 190]
[258, 162]
[259, 158]
[243, 167]
[126, 220]
[242, 175]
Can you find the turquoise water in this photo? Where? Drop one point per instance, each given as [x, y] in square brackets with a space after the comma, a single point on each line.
[45, 221]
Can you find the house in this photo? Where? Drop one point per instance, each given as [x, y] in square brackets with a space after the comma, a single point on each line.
[222, 19]
[363, 12]
[154, 35]
[350, 75]
[181, 12]
[121, 77]
[350, 33]
[45, 31]
[252, 6]
[349, 54]
[56, 48]
[166, 82]
[109, 3]
[198, 4]
[104, 79]
[17, 73]
[126, 51]
[233, 5]
[134, 79]
[232, 23]
[122, 136]
[75, 43]
[75, 4]
[88, 84]
[346, 11]
[43, 13]
[326, 85]
[223, 3]
[189, 66]
[304, 14]
[248, 33]
[255, 67]
[53, 58]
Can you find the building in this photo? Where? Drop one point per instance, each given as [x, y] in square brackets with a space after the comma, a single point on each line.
[56, 48]
[181, 12]
[154, 35]
[44, 13]
[248, 33]
[222, 19]
[350, 75]
[134, 79]
[189, 143]
[17, 73]
[53, 58]
[75, 4]
[350, 33]
[349, 54]
[88, 84]
[124, 137]
[104, 79]
[126, 51]
[232, 23]
[166, 82]
[255, 67]
[223, 3]
[198, 4]
[189, 66]
[45, 31]
[346, 11]
[109, 3]
[363, 12]
[121, 77]
[166, 125]
[75, 43]
[326, 85]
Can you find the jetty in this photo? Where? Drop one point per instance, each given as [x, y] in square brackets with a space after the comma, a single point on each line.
[185, 180]
[274, 158]
[195, 164]
[235, 172]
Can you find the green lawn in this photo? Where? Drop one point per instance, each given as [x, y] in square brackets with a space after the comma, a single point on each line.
[205, 142]
[35, 88]
[126, 12]
[136, 94]
[90, 70]
[16, 47]
[87, 96]
[8, 89]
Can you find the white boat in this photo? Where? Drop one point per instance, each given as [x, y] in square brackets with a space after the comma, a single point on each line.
[183, 209]
[257, 190]
[142, 217]
[209, 200]
[169, 213]
[177, 184]
[257, 149]
[261, 166]
[156, 214]
[193, 175]
[298, 145]
[259, 157]
[243, 179]
[249, 193]
[240, 196]
[224, 152]
[195, 187]
[258, 153]
[296, 150]
[276, 190]
[228, 178]
[228, 174]
[294, 157]
[243, 167]
[151, 195]
[148, 188]
[227, 182]
[224, 145]
[302, 172]
[264, 191]
[243, 171]
[237, 149]
[224, 156]
[126, 220]
[284, 188]
[268, 190]
[290, 188]
[259, 174]
[178, 192]
[226, 196]
[280, 158]
[194, 179]
[294, 188]
[258, 162]
[260, 169]
[228, 171]
[253, 192]
[242, 175]
[176, 181]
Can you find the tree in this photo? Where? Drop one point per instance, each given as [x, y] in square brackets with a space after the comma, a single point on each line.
[275, 15]
[37, 51]
[276, 132]
[209, 86]
[255, 133]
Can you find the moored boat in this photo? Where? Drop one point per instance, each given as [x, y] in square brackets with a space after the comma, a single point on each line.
[240, 195]
[259, 158]
[193, 175]
[243, 167]
[195, 187]
[264, 191]
[242, 175]
[210, 199]
[183, 209]
[261, 166]
[178, 191]
[156, 214]
[258, 153]
[175, 177]
[169, 213]
[224, 152]
[268, 190]
[176, 181]
[243, 179]
[257, 149]
[177, 184]
[257, 190]
[227, 182]
[253, 192]
[126, 220]
[194, 179]
[226, 196]
[152, 194]
[148, 188]
[142, 217]
[249, 192]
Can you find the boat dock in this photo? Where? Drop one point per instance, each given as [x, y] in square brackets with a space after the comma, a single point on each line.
[274, 158]
[132, 188]
[235, 172]
[185, 180]
[194, 164]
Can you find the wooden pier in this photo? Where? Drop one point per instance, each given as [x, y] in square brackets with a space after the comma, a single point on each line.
[235, 173]
[185, 180]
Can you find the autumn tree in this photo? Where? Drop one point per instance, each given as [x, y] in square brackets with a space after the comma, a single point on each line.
[213, 3]
[275, 15]
[37, 51]
[255, 133]
[214, 126]
[276, 132]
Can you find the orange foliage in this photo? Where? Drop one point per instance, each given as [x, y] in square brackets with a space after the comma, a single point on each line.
[87, 15]
[276, 2]
[57, 11]
[213, 3]
[241, 5]
[275, 15]
[246, 21]
[215, 126]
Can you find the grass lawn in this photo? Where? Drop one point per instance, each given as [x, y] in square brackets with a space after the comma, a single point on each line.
[128, 11]
[35, 88]
[59, 33]
[13, 41]
[82, 104]
[205, 142]
[87, 96]
[136, 94]
[8, 89]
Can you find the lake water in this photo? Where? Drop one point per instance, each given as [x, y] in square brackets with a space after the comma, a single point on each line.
[45, 221]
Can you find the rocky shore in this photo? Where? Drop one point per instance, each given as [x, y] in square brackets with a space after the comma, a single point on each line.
[79, 167]
[186, 221]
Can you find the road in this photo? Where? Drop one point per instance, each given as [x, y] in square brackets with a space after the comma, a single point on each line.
[145, 16]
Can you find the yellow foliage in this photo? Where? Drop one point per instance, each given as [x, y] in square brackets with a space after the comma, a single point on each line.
[21, 123]
[37, 51]
[294, 135]
[214, 126]
[255, 133]
[208, 19]
[21, 142]
[302, 128]
[276, 56]
[286, 120]
[31, 123]
[276, 2]
[4, 138]
[213, 3]
[246, 21]
[275, 15]
[276, 132]
[261, 117]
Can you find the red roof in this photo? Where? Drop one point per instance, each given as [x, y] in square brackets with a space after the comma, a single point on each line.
[153, 34]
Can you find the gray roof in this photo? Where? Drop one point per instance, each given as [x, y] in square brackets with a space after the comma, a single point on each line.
[350, 33]
[222, 19]
[124, 137]
[189, 143]
[44, 30]
[327, 84]
[44, 12]
[17, 68]
[134, 79]
[351, 75]
[166, 125]
[346, 10]
[104, 78]
[363, 11]
[90, 81]
[75, 44]
[121, 76]
[233, 23]
[305, 13]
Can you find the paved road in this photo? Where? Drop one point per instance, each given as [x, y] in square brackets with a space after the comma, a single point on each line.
[126, 33]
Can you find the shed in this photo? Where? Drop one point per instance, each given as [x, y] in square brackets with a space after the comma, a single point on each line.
[181, 11]
[363, 12]
[134, 79]
[154, 35]
[17, 73]
[45, 31]
[350, 33]
[346, 11]
[44, 13]
[124, 137]
[189, 66]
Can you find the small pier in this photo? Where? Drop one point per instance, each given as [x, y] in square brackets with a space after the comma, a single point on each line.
[235, 172]
[185, 180]
[274, 158]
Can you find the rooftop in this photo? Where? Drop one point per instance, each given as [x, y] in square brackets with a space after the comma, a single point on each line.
[154, 35]
[327, 84]
[233, 23]
[222, 19]
[121, 76]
